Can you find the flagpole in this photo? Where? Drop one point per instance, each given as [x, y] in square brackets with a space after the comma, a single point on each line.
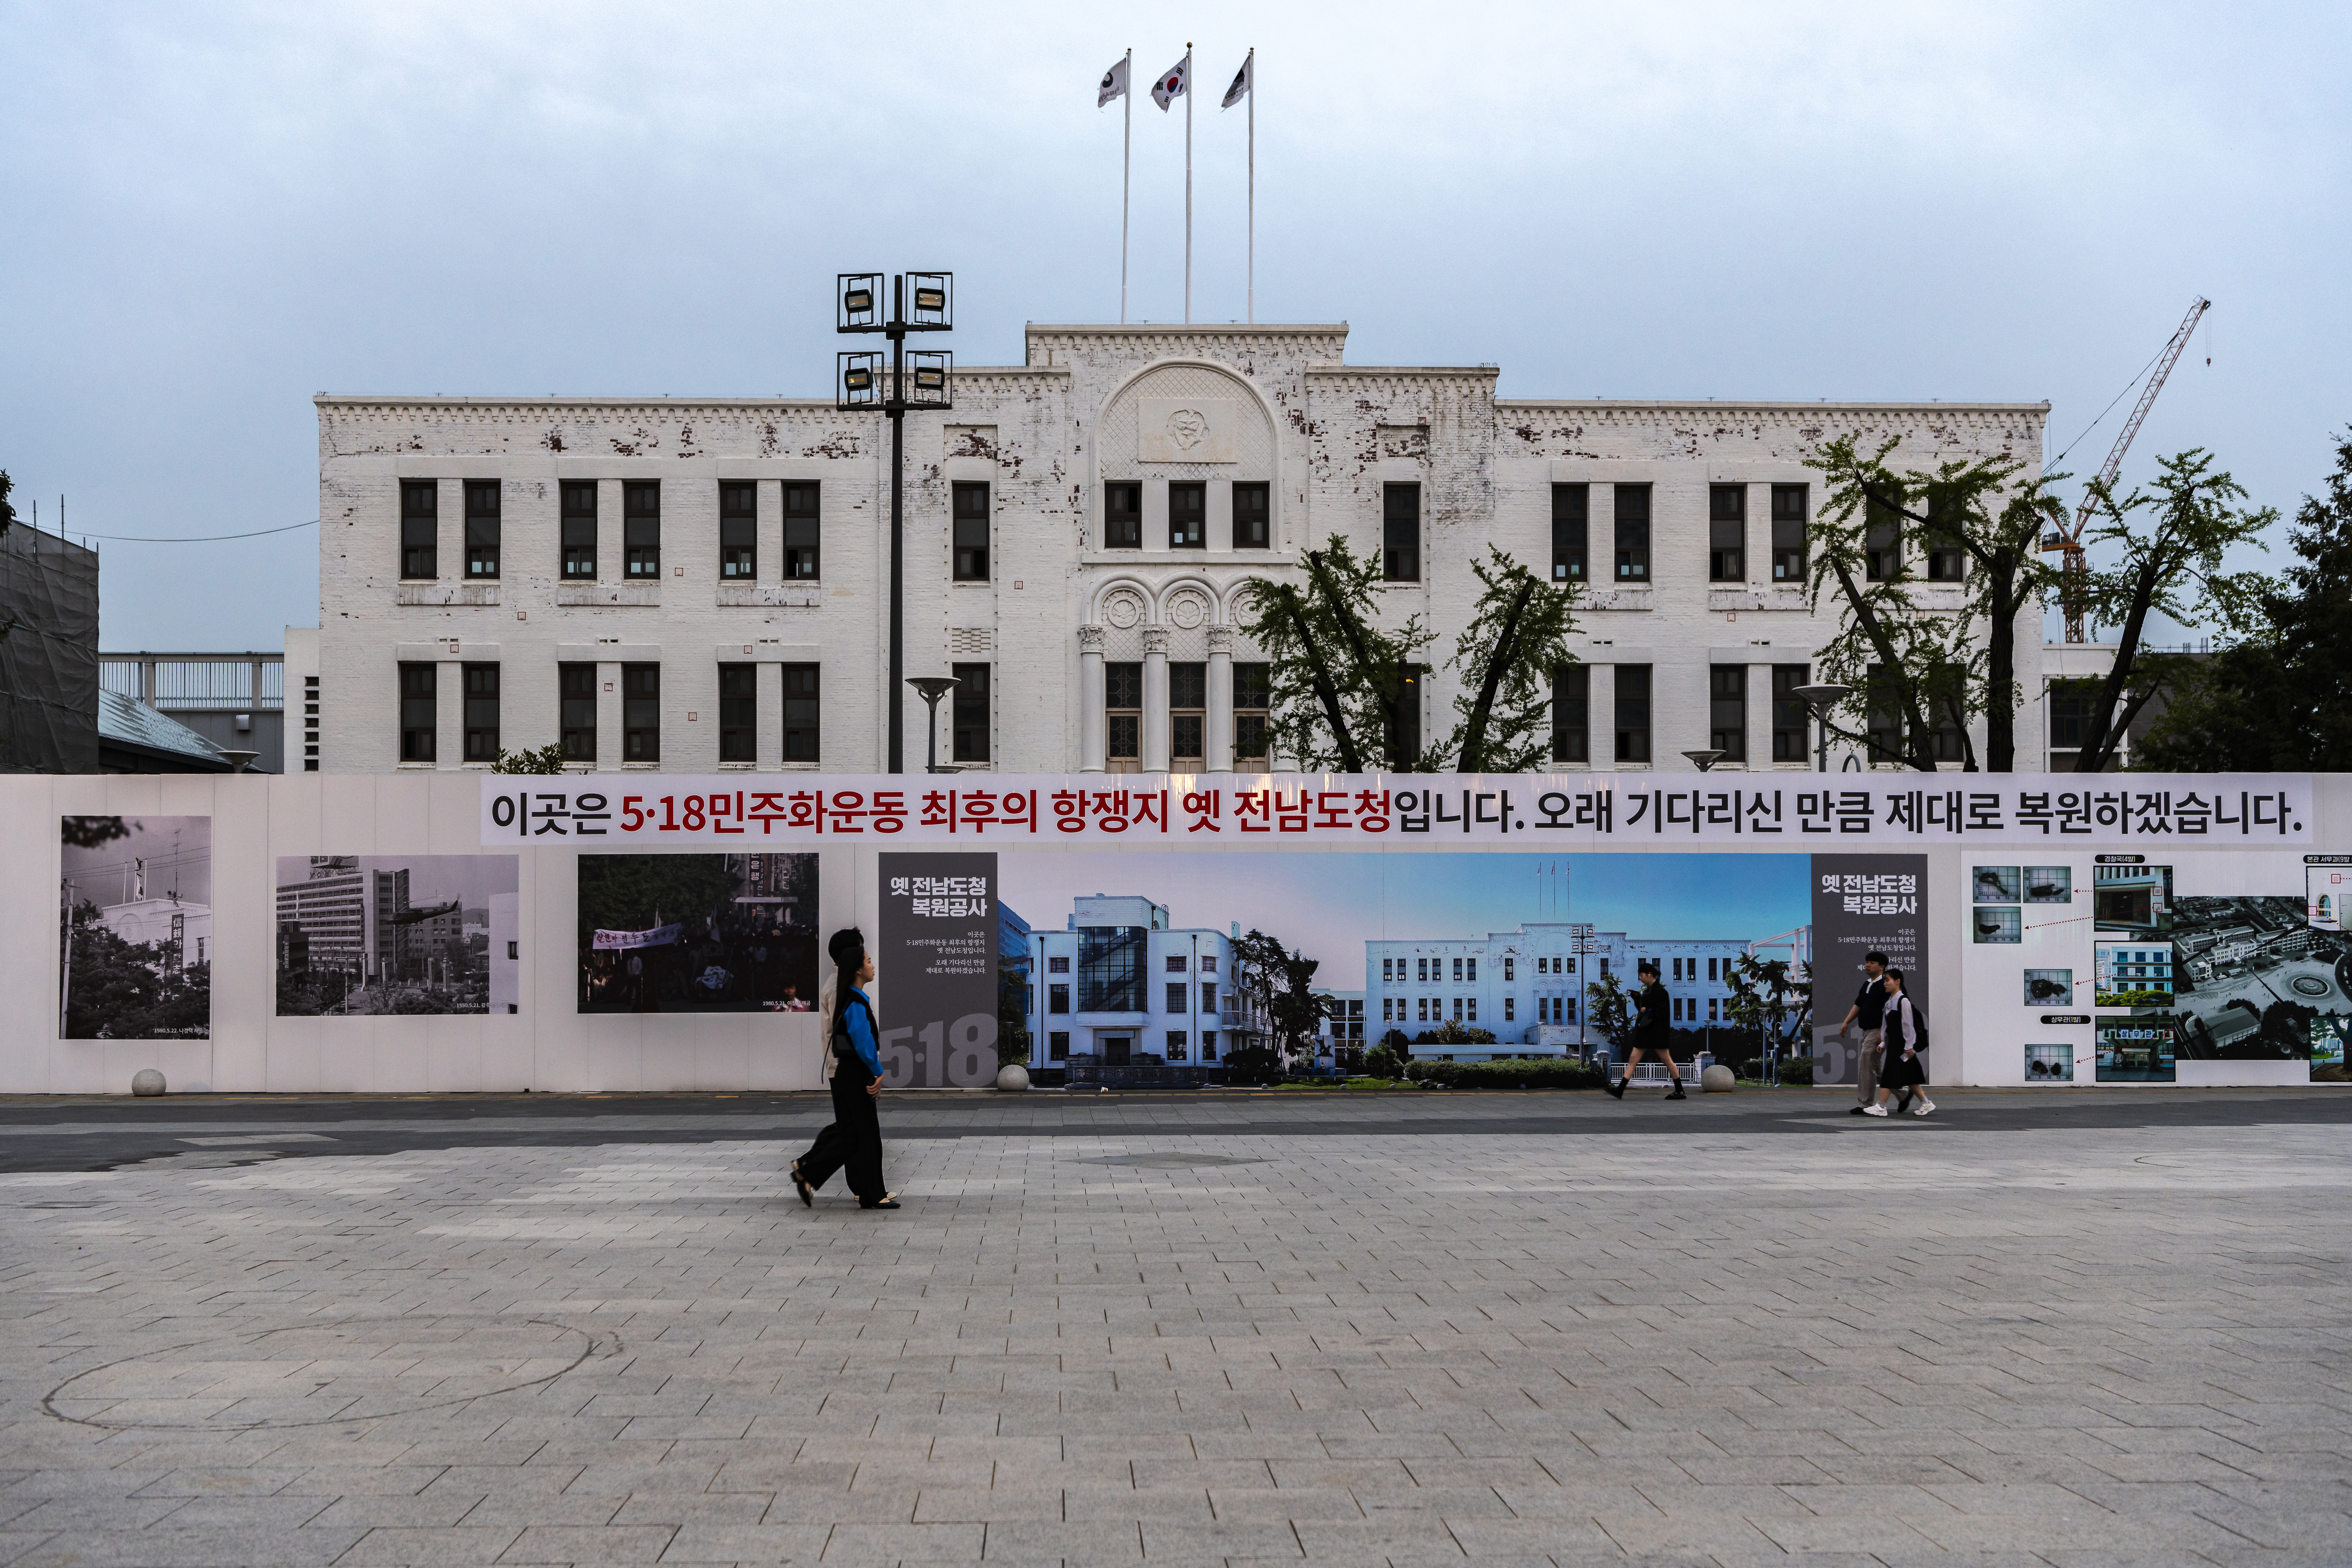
[1250, 65]
[1187, 181]
[1126, 178]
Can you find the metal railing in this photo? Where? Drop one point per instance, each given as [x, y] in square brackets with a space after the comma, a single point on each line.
[196, 681]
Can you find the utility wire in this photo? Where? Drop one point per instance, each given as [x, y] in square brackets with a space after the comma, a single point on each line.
[197, 539]
[2109, 409]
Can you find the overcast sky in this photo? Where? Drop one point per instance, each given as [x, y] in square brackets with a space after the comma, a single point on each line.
[212, 212]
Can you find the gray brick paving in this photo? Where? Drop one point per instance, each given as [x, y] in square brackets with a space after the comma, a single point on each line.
[1988, 1346]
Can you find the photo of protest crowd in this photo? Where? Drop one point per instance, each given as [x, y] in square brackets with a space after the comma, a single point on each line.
[697, 933]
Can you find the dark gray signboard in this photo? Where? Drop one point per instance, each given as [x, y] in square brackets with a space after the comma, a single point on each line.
[937, 962]
[1863, 903]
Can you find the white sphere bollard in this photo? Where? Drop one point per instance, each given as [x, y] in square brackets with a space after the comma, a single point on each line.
[1716, 1080]
[146, 1082]
[1013, 1078]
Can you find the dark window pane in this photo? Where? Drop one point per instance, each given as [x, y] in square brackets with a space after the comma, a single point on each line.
[1252, 516]
[1122, 685]
[1882, 541]
[1253, 687]
[640, 713]
[1402, 733]
[739, 530]
[1885, 715]
[576, 686]
[578, 528]
[971, 708]
[1184, 736]
[1188, 513]
[1400, 532]
[800, 532]
[970, 524]
[1727, 711]
[419, 713]
[1788, 533]
[738, 705]
[1571, 713]
[1791, 719]
[1122, 708]
[1726, 533]
[1633, 519]
[1947, 560]
[1633, 713]
[1125, 736]
[1569, 530]
[1188, 685]
[1123, 515]
[481, 716]
[641, 528]
[1249, 736]
[482, 527]
[420, 527]
[800, 712]
[1111, 968]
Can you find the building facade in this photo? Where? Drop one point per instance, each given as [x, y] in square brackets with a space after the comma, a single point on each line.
[1117, 985]
[700, 585]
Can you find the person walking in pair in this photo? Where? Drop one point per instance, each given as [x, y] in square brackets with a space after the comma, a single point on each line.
[852, 1143]
[1869, 1010]
[1906, 1033]
[1650, 1033]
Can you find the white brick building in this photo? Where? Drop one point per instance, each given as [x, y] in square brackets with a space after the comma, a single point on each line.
[1118, 985]
[697, 584]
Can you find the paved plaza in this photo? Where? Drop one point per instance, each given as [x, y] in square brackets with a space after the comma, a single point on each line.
[2095, 1328]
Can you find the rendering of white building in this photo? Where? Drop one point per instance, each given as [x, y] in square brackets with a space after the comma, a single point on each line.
[701, 584]
[1117, 985]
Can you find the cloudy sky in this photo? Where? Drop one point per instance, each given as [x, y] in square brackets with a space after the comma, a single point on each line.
[214, 211]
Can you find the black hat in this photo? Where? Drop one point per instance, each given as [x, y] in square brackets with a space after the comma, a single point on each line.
[847, 947]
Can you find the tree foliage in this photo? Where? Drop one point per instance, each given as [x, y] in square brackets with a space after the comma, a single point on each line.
[1768, 998]
[118, 989]
[625, 892]
[548, 758]
[1517, 636]
[1608, 1008]
[1282, 983]
[92, 833]
[2281, 699]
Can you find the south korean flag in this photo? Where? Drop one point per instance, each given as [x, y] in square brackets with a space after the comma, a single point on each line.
[1173, 83]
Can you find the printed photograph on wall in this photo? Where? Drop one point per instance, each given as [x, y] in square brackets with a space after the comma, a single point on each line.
[2049, 1065]
[2329, 1036]
[2048, 988]
[135, 929]
[2133, 974]
[2132, 900]
[365, 935]
[2135, 1051]
[2252, 974]
[940, 952]
[1997, 925]
[1995, 884]
[2048, 884]
[2325, 885]
[698, 934]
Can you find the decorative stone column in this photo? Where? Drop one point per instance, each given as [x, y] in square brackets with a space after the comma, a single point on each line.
[1221, 700]
[1094, 736]
[1155, 699]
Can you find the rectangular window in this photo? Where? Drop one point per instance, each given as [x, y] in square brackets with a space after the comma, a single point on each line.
[1251, 689]
[1632, 504]
[1510, 967]
[1457, 971]
[1209, 1045]
[1885, 715]
[1176, 997]
[1474, 971]
[739, 710]
[1208, 996]
[1792, 721]
[1727, 719]
[1947, 561]
[1057, 965]
[739, 530]
[1420, 971]
[1881, 541]
[641, 529]
[1175, 1051]
[1473, 1008]
[579, 526]
[970, 523]
[1788, 533]
[1253, 515]
[481, 712]
[1404, 735]
[1123, 515]
[1188, 513]
[1188, 714]
[1571, 530]
[1111, 969]
[1571, 713]
[419, 713]
[420, 527]
[1123, 715]
[800, 712]
[1176, 963]
[1633, 713]
[482, 528]
[1510, 1009]
[575, 687]
[640, 713]
[1401, 531]
[2070, 712]
[1057, 997]
[1208, 963]
[800, 532]
[972, 709]
[1726, 533]
[1057, 1046]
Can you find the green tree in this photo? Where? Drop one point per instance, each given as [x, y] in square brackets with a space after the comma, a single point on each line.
[1608, 1008]
[1281, 982]
[1766, 996]
[1516, 639]
[2169, 541]
[1336, 681]
[2281, 699]
[548, 758]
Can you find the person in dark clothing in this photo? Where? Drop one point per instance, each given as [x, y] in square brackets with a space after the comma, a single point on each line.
[1904, 1070]
[1651, 1034]
[853, 1143]
[1868, 1010]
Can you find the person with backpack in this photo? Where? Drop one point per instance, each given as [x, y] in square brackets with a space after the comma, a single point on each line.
[1906, 1035]
[852, 1143]
[1651, 1033]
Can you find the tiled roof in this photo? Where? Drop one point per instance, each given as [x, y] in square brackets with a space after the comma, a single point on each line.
[126, 721]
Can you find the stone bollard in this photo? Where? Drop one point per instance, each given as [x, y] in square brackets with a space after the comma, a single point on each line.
[1011, 1078]
[146, 1082]
[1716, 1080]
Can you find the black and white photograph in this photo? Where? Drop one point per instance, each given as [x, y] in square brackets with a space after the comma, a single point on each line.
[1994, 884]
[2048, 988]
[2049, 1065]
[698, 934]
[360, 934]
[136, 927]
[2048, 884]
[2251, 976]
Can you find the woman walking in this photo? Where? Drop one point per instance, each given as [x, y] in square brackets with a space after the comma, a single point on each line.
[853, 1144]
[1906, 1036]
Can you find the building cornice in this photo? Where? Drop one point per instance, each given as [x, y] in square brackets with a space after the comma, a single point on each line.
[1188, 330]
[1726, 406]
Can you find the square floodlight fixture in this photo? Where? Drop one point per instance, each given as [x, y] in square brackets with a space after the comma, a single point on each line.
[929, 297]
[858, 381]
[857, 300]
[930, 379]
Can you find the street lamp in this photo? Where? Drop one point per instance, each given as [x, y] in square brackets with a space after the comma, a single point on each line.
[861, 385]
[1821, 699]
[931, 688]
[1703, 760]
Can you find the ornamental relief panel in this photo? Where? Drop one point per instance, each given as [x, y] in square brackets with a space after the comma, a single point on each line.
[1185, 422]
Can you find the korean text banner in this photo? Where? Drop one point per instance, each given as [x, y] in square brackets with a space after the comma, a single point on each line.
[2137, 810]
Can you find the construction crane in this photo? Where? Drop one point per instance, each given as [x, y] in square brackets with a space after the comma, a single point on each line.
[2074, 584]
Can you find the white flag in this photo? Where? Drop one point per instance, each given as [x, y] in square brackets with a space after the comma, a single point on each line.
[1114, 84]
[1240, 90]
[1173, 82]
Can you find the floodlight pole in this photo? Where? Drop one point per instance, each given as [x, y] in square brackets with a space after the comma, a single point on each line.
[895, 405]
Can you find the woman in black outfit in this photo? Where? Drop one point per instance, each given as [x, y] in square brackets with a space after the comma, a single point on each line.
[1902, 1069]
[853, 1144]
